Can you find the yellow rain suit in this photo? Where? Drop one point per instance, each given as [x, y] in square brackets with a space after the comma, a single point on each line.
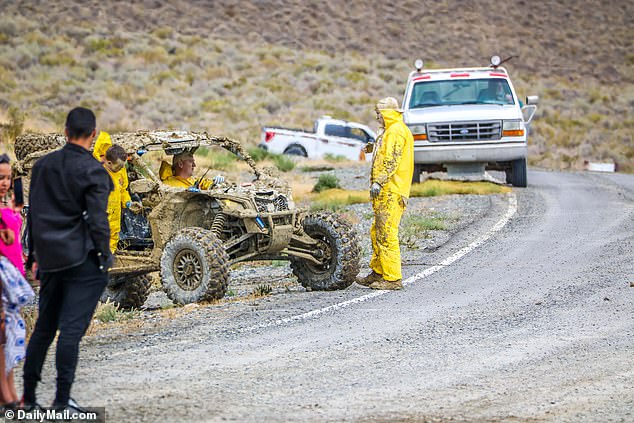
[119, 197]
[393, 169]
[102, 145]
[168, 178]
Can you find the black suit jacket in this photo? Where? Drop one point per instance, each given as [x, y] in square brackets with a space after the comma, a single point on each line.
[64, 185]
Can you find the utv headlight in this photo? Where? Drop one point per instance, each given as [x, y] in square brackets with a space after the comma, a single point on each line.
[512, 128]
[419, 132]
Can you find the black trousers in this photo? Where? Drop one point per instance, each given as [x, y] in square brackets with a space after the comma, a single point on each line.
[67, 302]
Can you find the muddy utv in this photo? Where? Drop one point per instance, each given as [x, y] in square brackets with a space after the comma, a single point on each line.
[194, 236]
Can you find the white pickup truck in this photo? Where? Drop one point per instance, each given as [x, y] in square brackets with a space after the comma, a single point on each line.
[467, 120]
[329, 136]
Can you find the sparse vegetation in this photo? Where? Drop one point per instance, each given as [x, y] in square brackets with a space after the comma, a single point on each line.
[281, 162]
[332, 158]
[172, 77]
[262, 290]
[416, 227]
[110, 312]
[432, 188]
[336, 199]
[14, 126]
[326, 181]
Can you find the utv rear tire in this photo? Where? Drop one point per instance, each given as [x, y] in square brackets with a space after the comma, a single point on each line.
[194, 267]
[127, 292]
[339, 238]
[31, 143]
[518, 173]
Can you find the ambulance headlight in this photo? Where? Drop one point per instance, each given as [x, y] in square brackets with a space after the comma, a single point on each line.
[418, 64]
[495, 61]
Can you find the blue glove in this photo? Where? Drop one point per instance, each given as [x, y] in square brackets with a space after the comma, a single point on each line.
[375, 190]
[219, 179]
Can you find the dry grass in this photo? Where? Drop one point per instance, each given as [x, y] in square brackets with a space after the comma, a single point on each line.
[432, 188]
[336, 199]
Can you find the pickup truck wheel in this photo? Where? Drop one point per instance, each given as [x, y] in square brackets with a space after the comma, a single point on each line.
[194, 267]
[296, 150]
[337, 245]
[518, 173]
[418, 169]
[127, 292]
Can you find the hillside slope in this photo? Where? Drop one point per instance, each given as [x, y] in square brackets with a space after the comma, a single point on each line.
[234, 66]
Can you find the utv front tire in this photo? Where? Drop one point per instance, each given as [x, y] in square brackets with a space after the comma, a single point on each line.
[338, 242]
[127, 292]
[194, 267]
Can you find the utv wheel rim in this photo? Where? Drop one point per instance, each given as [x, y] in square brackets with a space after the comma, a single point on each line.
[188, 270]
[325, 251]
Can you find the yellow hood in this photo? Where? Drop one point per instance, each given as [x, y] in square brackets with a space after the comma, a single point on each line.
[165, 171]
[102, 145]
[391, 116]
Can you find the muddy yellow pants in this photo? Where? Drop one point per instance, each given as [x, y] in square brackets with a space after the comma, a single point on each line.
[114, 220]
[386, 256]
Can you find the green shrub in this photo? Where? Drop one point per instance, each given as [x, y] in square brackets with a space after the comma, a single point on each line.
[283, 163]
[258, 154]
[325, 182]
[262, 290]
[217, 159]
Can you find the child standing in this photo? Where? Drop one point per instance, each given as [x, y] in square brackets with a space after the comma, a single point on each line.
[114, 162]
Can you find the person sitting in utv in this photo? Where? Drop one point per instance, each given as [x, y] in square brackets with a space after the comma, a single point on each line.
[181, 173]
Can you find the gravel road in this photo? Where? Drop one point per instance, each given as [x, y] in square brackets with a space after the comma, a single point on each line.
[536, 324]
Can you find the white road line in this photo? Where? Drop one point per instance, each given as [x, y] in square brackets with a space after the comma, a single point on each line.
[512, 209]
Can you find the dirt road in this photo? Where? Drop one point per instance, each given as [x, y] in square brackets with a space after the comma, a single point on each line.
[534, 324]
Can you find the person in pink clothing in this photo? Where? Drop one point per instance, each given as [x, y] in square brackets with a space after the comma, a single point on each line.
[14, 289]
[10, 219]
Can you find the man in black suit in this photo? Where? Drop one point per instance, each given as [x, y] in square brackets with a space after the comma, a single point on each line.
[69, 242]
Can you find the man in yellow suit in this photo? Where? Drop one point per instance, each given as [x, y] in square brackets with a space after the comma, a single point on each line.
[181, 173]
[391, 180]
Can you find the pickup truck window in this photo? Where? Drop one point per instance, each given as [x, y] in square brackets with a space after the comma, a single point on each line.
[360, 135]
[336, 131]
[456, 92]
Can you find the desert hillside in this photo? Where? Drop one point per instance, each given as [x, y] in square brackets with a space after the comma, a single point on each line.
[231, 67]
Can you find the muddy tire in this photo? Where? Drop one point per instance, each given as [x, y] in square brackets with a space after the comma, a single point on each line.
[32, 143]
[127, 292]
[339, 243]
[194, 267]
